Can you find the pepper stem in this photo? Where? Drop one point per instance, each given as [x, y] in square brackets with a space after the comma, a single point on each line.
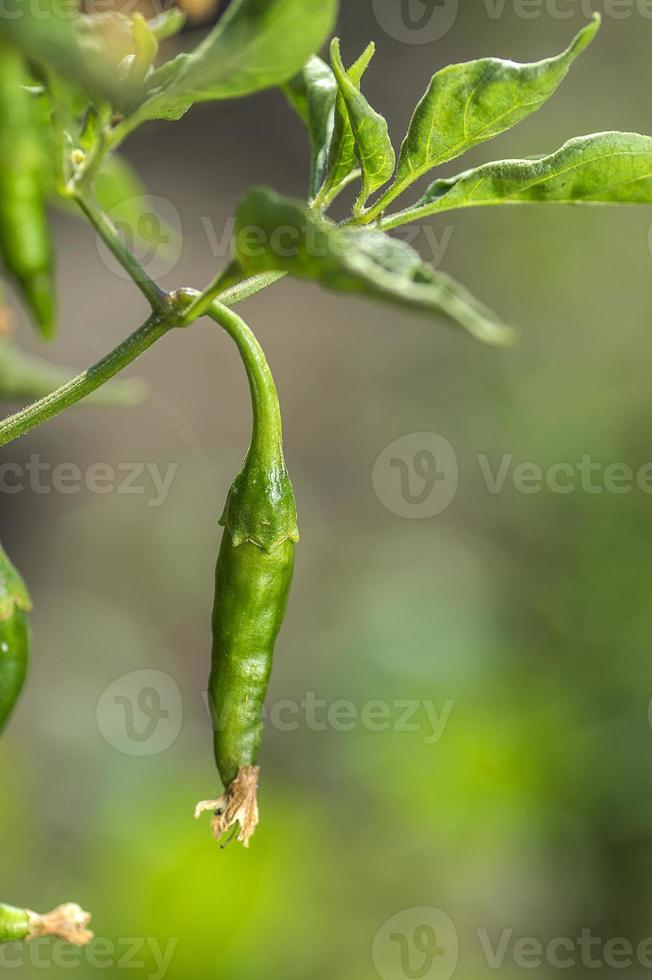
[267, 431]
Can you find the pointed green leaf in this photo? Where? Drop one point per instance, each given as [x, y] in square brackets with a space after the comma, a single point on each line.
[342, 162]
[473, 102]
[256, 44]
[604, 168]
[373, 147]
[312, 92]
[277, 234]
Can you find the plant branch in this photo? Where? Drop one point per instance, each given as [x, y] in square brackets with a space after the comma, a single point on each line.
[69, 394]
[230, 296]
[180, 309]
[107, 231]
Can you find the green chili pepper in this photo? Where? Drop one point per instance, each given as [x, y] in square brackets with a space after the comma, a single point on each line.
[14, 636]
[24, 236]
[68, 922]
[252, 582]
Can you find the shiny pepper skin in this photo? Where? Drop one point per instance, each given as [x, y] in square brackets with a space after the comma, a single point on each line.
[252, 583]
[14, 636]
[25, 245]
[251, 594]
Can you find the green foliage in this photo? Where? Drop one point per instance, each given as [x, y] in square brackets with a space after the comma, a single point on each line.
[373, 147]
[601, 169]
[341, 150]
[275, 233]
[100, 77]
[313, 93]
[471, 103]
[258, 43]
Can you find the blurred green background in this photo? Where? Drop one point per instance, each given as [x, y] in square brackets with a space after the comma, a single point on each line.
[523, 620]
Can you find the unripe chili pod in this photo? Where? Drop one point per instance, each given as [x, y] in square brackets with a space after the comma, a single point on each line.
[252, 583]
[25, 244]
[14, 636]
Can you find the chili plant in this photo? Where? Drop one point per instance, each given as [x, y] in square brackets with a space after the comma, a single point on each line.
[73, 87]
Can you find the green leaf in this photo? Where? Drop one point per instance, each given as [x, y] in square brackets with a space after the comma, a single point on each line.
[470, 103]
[167, 24]
[257, 44]
[342, 162]
[312, 92]
[277, 234]
[605, 168]
[373, 147]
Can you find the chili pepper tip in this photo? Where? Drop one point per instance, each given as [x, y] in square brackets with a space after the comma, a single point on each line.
[237, 808]
[68, 922]
[38, 291]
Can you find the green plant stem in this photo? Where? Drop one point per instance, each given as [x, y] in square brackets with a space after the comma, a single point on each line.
[229, 297]
[399, 218]
[267, 432]
[376, 210]
[107, 231]
[69, 394]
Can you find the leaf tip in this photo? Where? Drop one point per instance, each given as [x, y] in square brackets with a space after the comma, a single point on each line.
[505, 336]
[587, 34]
